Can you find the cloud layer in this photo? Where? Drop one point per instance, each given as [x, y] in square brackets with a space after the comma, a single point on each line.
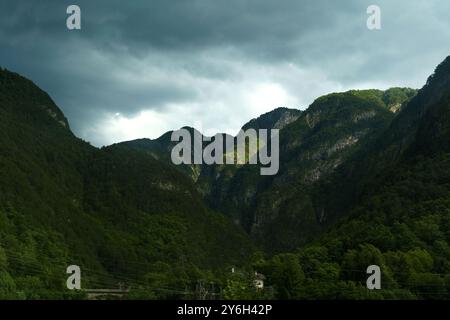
[140, 68]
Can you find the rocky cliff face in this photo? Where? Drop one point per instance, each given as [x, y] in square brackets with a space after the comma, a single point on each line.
[284, 212]
[275, 119]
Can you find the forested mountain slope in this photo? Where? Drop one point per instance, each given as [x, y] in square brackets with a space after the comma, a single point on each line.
[121, 215]
[399, 219]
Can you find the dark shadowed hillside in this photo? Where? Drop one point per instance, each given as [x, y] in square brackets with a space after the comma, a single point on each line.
[120, 214]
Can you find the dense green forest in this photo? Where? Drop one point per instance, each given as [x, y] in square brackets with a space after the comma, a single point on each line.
[364, 179]
[389, 205]
[121, 215]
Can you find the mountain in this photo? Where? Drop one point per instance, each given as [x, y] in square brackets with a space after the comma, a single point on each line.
[285, 213]
[404, 134]
[121, 215]
[161, 148]
[361, 182]
[399, 219]
[278, 212]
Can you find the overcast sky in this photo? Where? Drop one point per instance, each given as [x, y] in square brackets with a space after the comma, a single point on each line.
[140, 68]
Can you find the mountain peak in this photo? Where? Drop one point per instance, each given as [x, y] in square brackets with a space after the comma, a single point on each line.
[275, 119]
[441, 72]
[14, 87]
[436, 87]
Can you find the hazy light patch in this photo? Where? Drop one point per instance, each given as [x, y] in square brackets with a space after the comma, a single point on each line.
[266, 97]
[218, 105]
[117, 127]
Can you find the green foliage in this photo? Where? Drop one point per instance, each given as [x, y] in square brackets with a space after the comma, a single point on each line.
[285, 274]
[241, 285]
[399, 220]
[115, 212]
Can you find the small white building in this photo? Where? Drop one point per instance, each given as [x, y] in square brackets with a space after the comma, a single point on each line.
[259, 281]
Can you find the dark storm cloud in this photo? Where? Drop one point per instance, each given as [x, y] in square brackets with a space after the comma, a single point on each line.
[162, 55]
